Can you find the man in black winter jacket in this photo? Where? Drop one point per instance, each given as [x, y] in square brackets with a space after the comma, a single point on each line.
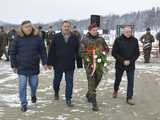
[63, 54]
[125, 51]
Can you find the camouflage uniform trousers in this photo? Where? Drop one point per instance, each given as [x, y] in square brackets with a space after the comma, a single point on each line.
[93, 82]
[147, 55]
[4, 51]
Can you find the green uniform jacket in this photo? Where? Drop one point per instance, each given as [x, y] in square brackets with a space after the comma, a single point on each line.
[97, 40]
[3, 40]
[147, 38]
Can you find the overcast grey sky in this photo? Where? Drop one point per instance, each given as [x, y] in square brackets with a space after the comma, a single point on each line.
[44, 11]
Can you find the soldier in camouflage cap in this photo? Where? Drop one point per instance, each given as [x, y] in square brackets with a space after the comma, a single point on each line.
[147, 40]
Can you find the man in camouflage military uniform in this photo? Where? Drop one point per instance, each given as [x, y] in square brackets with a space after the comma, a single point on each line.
[147, 40]
[3, 43]
[92, 37]
[158, 38]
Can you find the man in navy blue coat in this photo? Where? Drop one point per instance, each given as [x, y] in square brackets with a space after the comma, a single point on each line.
[63, 54]
[26, 51]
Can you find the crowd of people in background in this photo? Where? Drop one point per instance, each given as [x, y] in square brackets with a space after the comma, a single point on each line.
[6, 38]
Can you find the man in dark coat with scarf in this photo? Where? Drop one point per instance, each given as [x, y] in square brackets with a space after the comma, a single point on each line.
[63, 54]
[125, 51]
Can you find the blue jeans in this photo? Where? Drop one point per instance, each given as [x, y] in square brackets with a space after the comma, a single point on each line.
[130, 77]
[69, 82]
[33, 82]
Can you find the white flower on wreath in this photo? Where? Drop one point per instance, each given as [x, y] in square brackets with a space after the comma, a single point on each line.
[104, 53]
[95, 56]
[99, 60]
[88, 60]
[105, 64]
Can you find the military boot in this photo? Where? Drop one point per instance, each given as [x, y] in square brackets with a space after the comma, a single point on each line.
[94, 104]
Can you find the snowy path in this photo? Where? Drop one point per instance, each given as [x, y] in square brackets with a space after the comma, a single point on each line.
[147, 97]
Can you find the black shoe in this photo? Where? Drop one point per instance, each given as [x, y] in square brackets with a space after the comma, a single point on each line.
[69, 103]
[95, 108]
[24, 108]
[130, 101]
[94, 104]
[115, 94]
[34, 99]
[56, 96]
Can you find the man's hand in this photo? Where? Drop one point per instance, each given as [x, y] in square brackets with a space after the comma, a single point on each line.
[49, 67]
[45, 67]
[126, 63]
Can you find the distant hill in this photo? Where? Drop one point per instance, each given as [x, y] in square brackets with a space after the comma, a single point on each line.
[141, 20]
[2, 23]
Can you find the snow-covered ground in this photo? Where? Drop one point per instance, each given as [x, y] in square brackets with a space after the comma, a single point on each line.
[147, 96]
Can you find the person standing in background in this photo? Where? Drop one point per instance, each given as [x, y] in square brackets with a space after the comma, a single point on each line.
[147, 40]
[3, 43]
[76, 32]
[11, 36]
[158, 38]
[42, 33]
[49, 36]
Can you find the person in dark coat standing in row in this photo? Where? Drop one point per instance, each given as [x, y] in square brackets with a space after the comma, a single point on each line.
[125, 51]
[76, 32]
[49, 36]
[63, 54]
[42, 33]
[11, 36]
[27, 49]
